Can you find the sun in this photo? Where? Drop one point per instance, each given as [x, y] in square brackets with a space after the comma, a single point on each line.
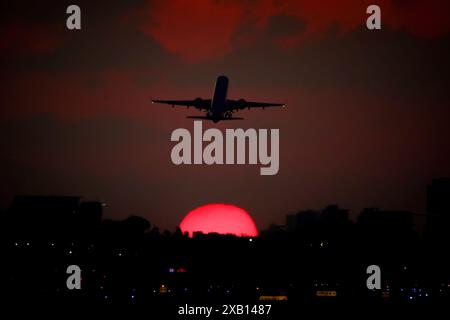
[219, 218]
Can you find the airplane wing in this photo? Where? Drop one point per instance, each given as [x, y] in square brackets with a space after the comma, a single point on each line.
[198, 103]
[243, 104]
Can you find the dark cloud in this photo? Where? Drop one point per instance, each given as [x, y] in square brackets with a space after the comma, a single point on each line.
[207, 29]
[284, 25]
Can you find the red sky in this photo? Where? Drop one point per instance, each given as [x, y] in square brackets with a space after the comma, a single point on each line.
[366, 123]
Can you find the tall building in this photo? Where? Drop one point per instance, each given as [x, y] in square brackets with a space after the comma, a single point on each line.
[386, 231]
[438, 197]
[438, 210]
[302, 219]
[52, 216]
[89, 216]
[385, 220]
[331, 215]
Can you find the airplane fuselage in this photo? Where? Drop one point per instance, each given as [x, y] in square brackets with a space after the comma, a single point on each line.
[219, 98]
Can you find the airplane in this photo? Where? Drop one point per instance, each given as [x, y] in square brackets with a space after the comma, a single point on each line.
[219, 107]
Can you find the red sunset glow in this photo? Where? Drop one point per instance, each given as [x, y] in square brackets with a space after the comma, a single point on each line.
[219, 218]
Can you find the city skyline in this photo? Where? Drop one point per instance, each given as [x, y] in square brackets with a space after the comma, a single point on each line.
[319, 259]
[436, 192]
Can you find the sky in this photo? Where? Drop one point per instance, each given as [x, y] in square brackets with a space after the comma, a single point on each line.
[366, 123]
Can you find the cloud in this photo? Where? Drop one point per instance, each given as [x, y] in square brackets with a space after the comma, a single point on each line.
[210, 29]
[196, 30]
[29, 38]
[73, 95]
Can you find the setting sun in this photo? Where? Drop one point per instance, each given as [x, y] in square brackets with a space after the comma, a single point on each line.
[219, 218]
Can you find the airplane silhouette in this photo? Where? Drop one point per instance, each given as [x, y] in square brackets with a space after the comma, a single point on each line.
[219, 107]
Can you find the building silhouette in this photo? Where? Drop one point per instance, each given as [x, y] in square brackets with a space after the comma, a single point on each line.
[437, 229]
[53, 216]
[438, 197]
[318, 257]
[331, 215]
